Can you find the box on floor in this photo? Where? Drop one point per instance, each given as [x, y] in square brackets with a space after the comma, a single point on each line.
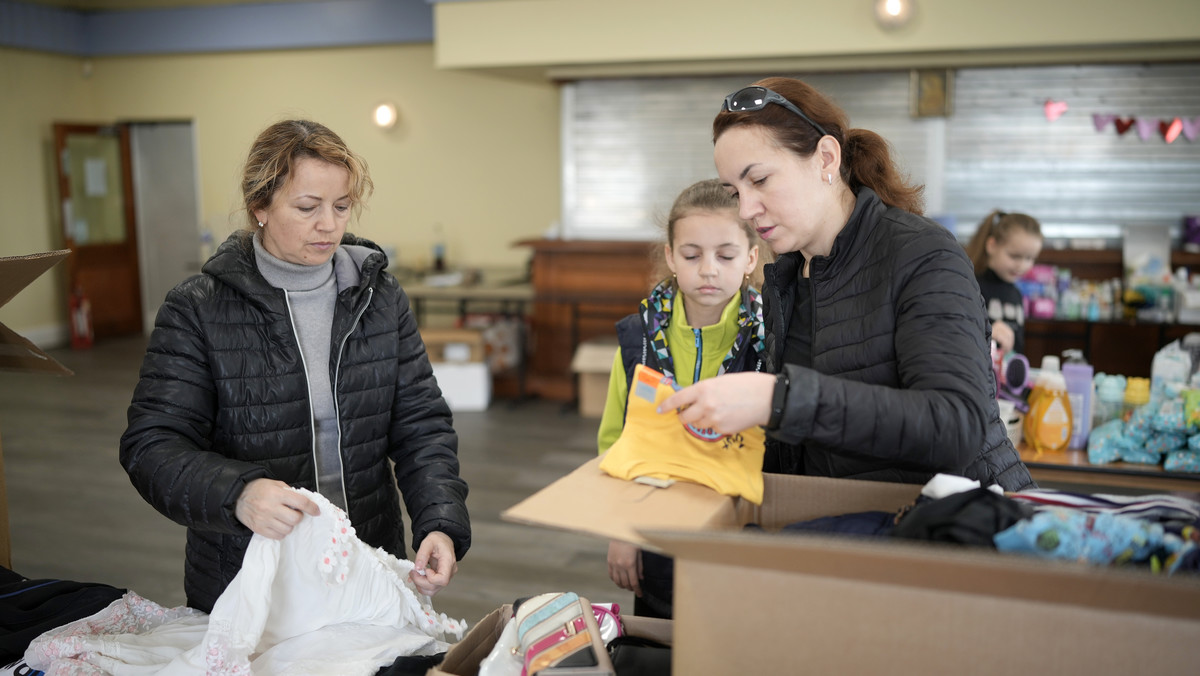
[17, 353]
[592, 363]
[753, 602]
[457, 357]
[464, 657]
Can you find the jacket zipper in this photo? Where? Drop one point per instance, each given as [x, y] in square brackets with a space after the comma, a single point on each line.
[699, 356]
[287, 299]
[337, 370]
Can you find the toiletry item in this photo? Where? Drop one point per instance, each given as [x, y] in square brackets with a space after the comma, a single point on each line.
[1049, 425]
[1078, 378]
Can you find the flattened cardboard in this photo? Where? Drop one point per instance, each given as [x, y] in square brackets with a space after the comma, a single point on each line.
[17, 353]
[755, 602]
[589, 501]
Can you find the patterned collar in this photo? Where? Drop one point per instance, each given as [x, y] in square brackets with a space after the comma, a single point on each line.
[656, 314]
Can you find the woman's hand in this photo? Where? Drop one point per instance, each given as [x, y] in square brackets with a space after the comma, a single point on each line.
[1004, 336]
[726, 404]
[625, 566]
[271, 508]
[435, 563]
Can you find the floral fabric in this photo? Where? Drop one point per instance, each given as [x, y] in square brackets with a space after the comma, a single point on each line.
[318, 602]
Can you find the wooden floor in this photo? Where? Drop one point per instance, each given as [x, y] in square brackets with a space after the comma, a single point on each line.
[74, 515]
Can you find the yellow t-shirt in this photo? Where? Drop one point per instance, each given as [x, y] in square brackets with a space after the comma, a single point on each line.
[657, 445]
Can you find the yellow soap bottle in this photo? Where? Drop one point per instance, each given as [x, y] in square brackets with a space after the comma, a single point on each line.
[1048, 424]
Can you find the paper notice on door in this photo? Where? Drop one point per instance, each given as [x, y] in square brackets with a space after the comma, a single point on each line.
[95, 177]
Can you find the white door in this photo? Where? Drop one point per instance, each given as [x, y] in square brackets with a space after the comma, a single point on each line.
[166, 193]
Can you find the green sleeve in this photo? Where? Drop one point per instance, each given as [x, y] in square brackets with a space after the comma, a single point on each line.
[613, 420]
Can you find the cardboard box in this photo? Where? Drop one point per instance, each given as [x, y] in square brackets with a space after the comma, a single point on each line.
[453, 345]
[457, 357]
[17, 353]
[593, 362]
[748, 602]
[463, 658]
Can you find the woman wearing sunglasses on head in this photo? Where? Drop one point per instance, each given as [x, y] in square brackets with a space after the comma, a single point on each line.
[876, 330]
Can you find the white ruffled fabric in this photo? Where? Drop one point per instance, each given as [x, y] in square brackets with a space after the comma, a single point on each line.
[320, 602]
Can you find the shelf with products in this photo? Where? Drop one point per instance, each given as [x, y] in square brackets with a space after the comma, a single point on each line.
[1113, 344]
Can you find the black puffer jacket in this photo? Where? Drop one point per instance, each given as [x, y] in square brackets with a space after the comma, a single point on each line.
[223, 400]
[901, 385]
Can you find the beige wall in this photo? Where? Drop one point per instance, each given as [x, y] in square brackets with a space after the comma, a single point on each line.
[549, 33]
[34, 89]
[476, 153]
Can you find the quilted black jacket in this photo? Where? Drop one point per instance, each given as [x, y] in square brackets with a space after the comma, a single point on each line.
[223, 399]
[901, 385]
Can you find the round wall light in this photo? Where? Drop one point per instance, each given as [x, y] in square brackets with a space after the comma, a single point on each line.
[894, 13]
[384, 115]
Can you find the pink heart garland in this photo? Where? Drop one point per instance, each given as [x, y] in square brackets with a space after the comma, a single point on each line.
[1170, 129]
[1146, 127]
[1102, 121]
[1123, 125]
[1191, 128]
[1054, 109]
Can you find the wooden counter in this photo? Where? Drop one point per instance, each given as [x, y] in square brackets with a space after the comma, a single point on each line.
[580, 289]
[1072, 467]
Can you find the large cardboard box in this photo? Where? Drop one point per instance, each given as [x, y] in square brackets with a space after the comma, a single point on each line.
[18, 353]
[464, 657]
[754, 602]
[592, 363]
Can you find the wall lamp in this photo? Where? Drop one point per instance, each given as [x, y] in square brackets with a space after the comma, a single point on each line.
[384, 116]
[894, 13]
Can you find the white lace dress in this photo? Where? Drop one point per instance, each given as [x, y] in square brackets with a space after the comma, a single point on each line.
[319, 602]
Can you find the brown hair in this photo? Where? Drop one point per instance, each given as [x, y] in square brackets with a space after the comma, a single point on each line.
[866, 156]
[707, 196]
[1000, 225]
[274, 154]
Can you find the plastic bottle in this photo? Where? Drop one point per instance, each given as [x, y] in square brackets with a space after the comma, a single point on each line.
[1137, 393]
[1050, 364]
[439, 249]
[1110, 398]
[1048, 424]
[1078, 378]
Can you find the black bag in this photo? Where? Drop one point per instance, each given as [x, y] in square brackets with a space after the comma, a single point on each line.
[636, 656]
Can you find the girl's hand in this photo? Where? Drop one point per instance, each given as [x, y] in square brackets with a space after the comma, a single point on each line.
[271, 508]
[625, 566]
[726, 404]
[435, 564]
[1004, 336]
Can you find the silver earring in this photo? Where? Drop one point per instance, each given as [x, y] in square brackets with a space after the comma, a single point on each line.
[260, 224]
[828, 177]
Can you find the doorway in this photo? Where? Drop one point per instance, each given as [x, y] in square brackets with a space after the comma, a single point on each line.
[130, 214]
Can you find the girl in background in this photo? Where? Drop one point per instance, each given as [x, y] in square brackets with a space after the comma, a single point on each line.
[1003, 249]
[701, 321]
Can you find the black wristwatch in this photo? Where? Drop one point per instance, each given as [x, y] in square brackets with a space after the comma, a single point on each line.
[778, 400]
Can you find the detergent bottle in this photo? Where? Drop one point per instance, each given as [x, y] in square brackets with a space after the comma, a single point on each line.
[1048, 425]
[1049, 363]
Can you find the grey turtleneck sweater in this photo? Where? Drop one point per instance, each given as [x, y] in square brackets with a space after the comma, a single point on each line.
[311, 293]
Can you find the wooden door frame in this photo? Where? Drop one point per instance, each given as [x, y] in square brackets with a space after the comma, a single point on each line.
[61, 132]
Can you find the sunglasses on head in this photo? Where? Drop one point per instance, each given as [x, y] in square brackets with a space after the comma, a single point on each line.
[756, 98]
